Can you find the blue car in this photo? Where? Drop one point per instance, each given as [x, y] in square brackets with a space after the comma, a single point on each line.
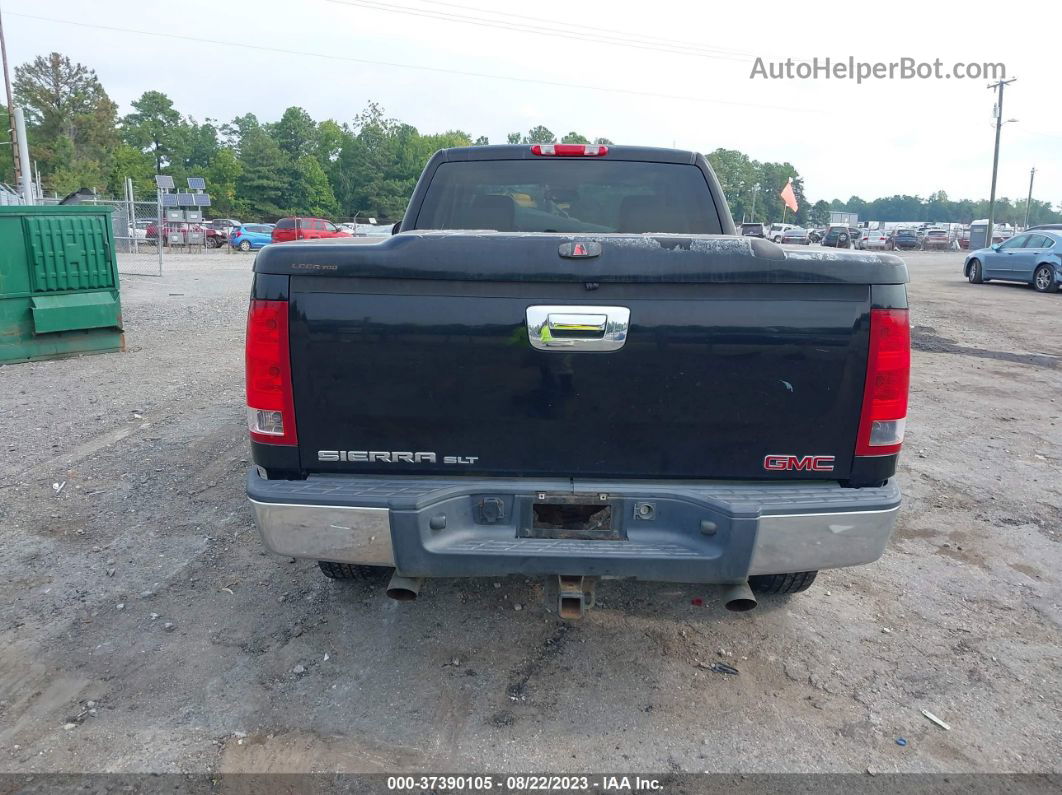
[247, 237]
[1033, 257]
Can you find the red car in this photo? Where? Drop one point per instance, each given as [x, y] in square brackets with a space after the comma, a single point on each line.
[305, 229]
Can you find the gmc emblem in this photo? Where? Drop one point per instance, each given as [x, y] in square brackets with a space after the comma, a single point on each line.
[800, 463]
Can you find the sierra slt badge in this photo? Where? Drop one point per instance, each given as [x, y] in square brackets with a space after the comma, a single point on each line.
[800, 463]
[392, 457]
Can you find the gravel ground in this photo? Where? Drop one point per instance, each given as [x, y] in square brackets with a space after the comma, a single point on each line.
[144, 628]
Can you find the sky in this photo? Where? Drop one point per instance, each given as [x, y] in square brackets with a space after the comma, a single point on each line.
[665, 73]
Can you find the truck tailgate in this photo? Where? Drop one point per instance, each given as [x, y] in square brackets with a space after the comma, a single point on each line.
[437, 375]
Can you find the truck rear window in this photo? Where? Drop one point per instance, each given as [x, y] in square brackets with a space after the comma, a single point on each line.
[569, 196]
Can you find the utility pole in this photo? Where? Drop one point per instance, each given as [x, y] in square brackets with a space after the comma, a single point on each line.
[755, 190]
[995, 156]
[10, 103]
[1028, 202]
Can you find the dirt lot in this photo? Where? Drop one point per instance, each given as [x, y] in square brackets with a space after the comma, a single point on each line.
[145, 629]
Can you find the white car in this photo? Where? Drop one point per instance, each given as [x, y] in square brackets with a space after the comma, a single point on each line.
[774, 234]
[876, 238]
[138, 230]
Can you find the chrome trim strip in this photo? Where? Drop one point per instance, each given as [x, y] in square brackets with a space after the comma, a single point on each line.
[326, 532]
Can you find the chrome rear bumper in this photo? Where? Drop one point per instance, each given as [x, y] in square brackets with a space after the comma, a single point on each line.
[701, 532]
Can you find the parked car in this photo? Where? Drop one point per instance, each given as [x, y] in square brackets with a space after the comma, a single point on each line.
[401, 417]
[251, 236]
[374, 230]
[907, 239]
[796, 236]
[964, 238]
[774, 234]
[753, 230]
[225, 225]
[937, 240]
[838, 236]
[349, 228]
[139, 229]
[816, 234]
[876, 239]
[1051, 227]
[1031, 257]
[216, 231]
[175, 233]
[297, 228]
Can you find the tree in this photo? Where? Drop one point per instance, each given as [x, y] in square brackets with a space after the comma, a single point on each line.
[295, 133]
[155, 127]
[130, 162]
[222, 176]
[330, 137]
[70, 120]
[261, 184]
[575, 138]
[819, 215]
[513, 138]
[539, 135]
[7, 162]
[309, 192]
[482, 141]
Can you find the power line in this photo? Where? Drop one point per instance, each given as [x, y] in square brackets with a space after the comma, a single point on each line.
[597, 28]
[552, 30]
[394, 64]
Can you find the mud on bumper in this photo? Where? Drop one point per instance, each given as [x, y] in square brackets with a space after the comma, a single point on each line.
[704, 532]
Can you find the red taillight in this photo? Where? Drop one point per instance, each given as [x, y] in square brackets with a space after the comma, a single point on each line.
[569, 150]
[884, 414]
[270, 404]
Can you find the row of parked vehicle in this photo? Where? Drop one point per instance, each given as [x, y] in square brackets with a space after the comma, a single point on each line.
[248, 237]
[846, 236]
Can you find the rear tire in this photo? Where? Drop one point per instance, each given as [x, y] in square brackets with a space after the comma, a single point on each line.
[973, 272]
[245, 245]
[782, 583]
[1044, 279]
[212, 242]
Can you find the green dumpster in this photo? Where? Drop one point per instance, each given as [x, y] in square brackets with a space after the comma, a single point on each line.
[58, 283]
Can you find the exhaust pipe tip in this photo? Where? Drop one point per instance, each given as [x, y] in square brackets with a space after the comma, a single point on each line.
[739, 598]
[403, 589]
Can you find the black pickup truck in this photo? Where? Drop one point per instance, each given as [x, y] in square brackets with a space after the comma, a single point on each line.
[565, 363]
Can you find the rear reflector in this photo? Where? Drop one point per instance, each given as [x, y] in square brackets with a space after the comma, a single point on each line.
[884, 415]
[569, 150]
[270, 404]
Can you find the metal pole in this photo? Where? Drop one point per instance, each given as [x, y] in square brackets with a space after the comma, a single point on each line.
[10, 103]
[25, 177]
[995, 159]
[158, 227]
[1028, 202]
[755, 192]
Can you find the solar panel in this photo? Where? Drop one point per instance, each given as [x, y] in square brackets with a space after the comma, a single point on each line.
[202, 200]
[169, 199]
[164, 181]
[196, 183]
[185, 199]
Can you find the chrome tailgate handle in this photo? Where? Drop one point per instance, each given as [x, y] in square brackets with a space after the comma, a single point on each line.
[577, 328]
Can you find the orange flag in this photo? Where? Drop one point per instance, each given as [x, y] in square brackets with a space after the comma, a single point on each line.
[788, 197]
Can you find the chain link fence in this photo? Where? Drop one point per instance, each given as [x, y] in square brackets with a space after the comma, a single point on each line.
[135, 227]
